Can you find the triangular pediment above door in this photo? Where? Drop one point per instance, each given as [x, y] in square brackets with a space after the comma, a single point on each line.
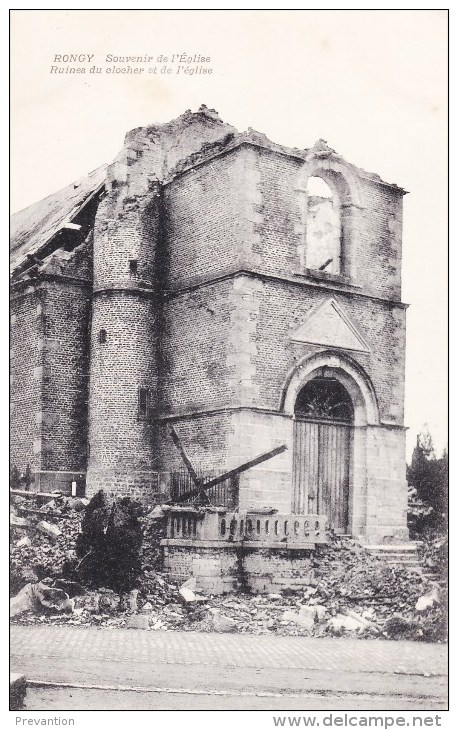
[328, 324]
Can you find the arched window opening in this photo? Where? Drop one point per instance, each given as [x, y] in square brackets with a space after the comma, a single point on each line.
[323, 228]
[324, 399]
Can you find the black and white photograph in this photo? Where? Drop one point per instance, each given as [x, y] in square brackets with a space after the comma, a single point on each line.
[228, 367]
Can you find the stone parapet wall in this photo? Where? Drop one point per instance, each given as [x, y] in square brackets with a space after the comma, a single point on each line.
[223, 567]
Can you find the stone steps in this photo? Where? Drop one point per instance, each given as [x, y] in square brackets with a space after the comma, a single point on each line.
[404, 554]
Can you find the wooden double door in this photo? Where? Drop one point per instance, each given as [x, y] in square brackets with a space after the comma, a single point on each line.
[321, 470]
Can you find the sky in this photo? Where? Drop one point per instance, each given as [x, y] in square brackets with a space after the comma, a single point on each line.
[372, 83]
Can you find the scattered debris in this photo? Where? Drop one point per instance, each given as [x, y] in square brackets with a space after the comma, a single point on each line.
[187, 590]
[217, 622]
[71, 587]
[24, 601]
[396, 626]
[138, 621]
[129, 601]
[16, 521]
[156, 514]
[78, 503]
[349, 590]
[49, 529]
[24, 542]
[53, 599]
[347, 623]
[109, 601]
[428, 600]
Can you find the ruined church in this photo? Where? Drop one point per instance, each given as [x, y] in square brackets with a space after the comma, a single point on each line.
[247, 293]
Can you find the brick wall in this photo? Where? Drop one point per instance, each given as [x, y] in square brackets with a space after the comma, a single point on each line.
[374, 223]
[26, 378]
[126, 229]
[198, 366]
[213, 347]
[120, 442]
[49, 366]
[124, 341]
[246, 209]
[65, 356]
[205, 437]
[282, 308]
[230, 344]
[204, 220]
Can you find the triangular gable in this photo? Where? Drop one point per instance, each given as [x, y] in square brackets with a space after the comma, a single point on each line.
[327, 324]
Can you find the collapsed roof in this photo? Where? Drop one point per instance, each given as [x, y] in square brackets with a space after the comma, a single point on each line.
[165, 150]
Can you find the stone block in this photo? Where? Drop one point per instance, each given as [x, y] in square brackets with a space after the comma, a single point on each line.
[138, 621]
[214, 586]
[21, 522]
[24, 542]
[307, 612]
[53, 599]
[49, 529]
[24, 601]
[207, 567]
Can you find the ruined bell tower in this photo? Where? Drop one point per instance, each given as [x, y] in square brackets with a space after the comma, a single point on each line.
[122, 380]
[126, 312]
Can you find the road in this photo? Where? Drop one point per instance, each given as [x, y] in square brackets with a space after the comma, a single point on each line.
[73, 668]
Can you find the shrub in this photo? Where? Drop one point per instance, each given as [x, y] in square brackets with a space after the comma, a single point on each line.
[109, 544]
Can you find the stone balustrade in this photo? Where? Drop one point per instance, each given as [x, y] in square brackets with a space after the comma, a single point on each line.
[255, 527]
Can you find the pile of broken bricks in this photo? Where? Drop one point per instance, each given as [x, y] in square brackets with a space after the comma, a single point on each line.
[351, 592]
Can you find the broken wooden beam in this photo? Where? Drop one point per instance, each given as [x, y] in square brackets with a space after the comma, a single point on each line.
[233, 472]
[33, 495]
[48, 513]
[187, 462]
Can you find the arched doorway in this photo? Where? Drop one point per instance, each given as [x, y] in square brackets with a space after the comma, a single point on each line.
[323, 425]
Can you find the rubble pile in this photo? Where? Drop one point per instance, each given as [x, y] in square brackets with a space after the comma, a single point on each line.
[43, 536]
[351, 593]
[433, 551]
[349, 579]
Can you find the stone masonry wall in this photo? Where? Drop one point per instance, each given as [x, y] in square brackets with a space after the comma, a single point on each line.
[268, 484]
[220, 569]
[386, 485]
